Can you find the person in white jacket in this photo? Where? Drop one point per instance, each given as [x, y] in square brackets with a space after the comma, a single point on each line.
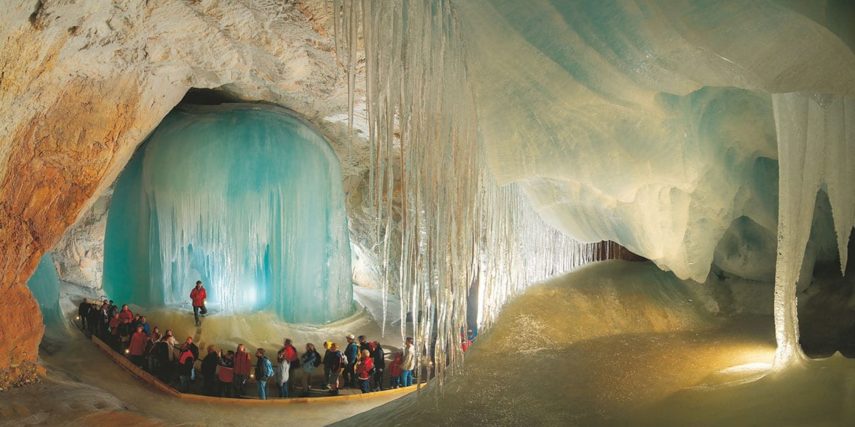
[282, 374]
[408, 363]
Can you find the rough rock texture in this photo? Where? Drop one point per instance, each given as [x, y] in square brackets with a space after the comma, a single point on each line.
[82, 84]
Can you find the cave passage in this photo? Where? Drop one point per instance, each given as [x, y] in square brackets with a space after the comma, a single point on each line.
[246, 198]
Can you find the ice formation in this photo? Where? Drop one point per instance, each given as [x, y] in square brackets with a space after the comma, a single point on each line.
[44, 284]
[247, 199]
[442, 222]
[646, 124]
[816, 148]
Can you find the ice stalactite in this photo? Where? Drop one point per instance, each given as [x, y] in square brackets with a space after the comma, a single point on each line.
[247, 199]
[816, 146]
[442, 224]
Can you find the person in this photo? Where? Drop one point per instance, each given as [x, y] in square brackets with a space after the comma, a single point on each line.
[146, 326]
[363, 344]
[150, 349]
[395, 371]
[83, 314]
[165, 356]
[198, 296]
[104, 318]
[241, 369]
[185, 367]
[408, 363]
[364, 371]
[136, 349]
[263, 372]
[226, 374]
[115, 340]
[209, 371]
[154, 336]
[282, 373]
[193, 347]
[126, 318]
[336, 365]
[290, 353]
[351, 353]
[94, 320]
[379, 357]
[326, 362]
[310, 360]
[126, 315]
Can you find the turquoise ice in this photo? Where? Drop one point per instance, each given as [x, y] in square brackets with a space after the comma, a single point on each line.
[247, 199]
[44, 284]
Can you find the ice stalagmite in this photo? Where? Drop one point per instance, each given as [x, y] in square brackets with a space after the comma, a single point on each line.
[247, 199]
[816, 145]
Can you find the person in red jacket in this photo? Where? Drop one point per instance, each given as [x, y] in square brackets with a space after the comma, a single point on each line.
[364, 371]
[136, 349]
[198, 296]
[289, 353]
[242, 365]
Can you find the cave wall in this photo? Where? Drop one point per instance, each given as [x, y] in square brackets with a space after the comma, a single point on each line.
[82, 84]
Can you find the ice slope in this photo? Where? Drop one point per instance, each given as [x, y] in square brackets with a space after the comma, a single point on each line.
[247, 199]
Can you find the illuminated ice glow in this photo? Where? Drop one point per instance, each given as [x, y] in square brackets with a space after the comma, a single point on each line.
[247, 199]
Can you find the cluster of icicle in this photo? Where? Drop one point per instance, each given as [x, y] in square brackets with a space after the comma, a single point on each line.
[442, 225]
[816, 146]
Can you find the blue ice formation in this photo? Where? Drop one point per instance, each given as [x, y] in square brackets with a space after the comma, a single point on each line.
[247, 199]
[44, 284]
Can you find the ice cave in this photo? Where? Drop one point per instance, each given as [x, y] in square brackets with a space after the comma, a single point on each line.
[427, 212]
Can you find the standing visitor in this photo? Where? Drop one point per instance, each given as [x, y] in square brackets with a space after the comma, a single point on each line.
[83, 314]
[364, 371]
[379, 357]
[198, 296]
[351, 353]
[242, 366]
[290, 353]
[192, 347]
[310, 360]
[209, 371]
[185, 368]
[263, 372]
[336, 365]
[283, 373]
[226, 374]
[326, 362]
[136, 349]
[395, 371]
[408, 363]
[363, 344]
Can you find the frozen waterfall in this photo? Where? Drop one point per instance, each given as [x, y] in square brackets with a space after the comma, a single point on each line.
[247, 199]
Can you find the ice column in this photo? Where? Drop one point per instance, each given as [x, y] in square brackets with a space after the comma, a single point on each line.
[247, 199]
[44, 284]
[816, 145]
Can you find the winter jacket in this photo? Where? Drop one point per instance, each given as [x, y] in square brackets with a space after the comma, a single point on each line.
[379, 357]
[114, 325]
[310, 360]
[364, 368]
[395, 367]
[334, 361]
[242, 363]
[126, 316]
[351, 352]
[226, 374]
[186, 363]
[263, 369]
[198, 296]
[408, 362]
[209, 365]
[282, 372]
[290, 353]
[138, 342]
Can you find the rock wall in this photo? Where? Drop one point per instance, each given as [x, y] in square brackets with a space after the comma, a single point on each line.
[83, 83]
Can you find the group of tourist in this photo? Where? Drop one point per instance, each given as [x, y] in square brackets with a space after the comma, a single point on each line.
[359, 364]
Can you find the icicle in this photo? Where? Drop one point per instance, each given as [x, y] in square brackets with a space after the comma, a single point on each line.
[816, 145]
[428, 180]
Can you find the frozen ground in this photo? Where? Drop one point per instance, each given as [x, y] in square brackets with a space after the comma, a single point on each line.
[615, 343]
[626, 344]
